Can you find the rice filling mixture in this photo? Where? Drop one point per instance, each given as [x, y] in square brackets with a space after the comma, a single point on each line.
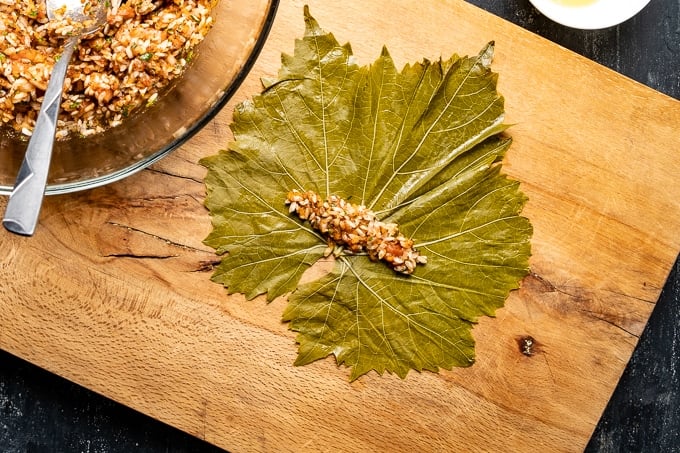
[144, 45]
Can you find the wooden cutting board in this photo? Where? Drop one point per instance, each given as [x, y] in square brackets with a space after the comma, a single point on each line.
[113, 291]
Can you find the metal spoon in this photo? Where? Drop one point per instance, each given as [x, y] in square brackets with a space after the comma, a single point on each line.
[23, 207]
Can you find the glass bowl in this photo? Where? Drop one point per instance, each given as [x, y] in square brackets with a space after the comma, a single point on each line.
[224, 59]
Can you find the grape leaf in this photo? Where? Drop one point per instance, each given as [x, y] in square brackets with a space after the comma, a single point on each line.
[421, 147]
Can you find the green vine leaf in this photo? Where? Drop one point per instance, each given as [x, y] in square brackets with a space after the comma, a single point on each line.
[422, 148]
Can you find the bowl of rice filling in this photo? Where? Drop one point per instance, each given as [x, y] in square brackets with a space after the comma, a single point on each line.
[135, 90]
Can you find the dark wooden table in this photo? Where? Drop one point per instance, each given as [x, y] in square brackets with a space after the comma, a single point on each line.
[40, 412]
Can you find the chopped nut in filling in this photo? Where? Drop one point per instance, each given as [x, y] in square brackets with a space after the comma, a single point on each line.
[356, 229]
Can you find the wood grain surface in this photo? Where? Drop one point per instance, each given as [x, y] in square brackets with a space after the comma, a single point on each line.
[113, 291]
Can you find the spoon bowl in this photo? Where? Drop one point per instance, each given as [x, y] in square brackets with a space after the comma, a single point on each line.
[89, 15]
[23, 208]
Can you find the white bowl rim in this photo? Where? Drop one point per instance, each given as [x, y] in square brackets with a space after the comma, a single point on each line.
[597, 15]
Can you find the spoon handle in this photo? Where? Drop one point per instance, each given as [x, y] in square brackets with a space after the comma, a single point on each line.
[25, 201]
